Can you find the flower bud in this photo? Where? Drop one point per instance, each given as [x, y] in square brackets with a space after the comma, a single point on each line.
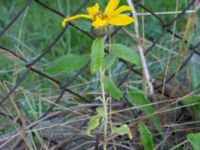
[100, 31]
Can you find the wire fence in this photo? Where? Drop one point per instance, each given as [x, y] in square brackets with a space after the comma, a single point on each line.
[64, 86]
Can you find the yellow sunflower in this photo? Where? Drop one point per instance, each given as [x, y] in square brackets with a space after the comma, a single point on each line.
[112, 15]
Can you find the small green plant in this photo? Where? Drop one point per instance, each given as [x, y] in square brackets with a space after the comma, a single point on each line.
[99, 63]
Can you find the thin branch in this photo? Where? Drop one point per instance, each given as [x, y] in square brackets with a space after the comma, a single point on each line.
[141, 52]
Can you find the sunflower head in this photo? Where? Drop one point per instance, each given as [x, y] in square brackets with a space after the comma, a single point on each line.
[100, 19]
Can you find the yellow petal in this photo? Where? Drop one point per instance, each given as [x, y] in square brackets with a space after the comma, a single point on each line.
[112, 5]
[120, 10]
[99, 22]
[120, 20]
[74, 17]
[92, 11]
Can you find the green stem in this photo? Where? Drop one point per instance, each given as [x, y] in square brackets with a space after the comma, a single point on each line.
[101, 71]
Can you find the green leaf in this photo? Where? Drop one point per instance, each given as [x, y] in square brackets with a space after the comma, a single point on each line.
[122, 130]
[194, 72]
[109, 61]
[124, 52]
[137, 98]
[68, 63]
[97, 54]
[111, 88]
[194, 140]
[146, 137]
[196, 107]
[100, 111]
[93, 123]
